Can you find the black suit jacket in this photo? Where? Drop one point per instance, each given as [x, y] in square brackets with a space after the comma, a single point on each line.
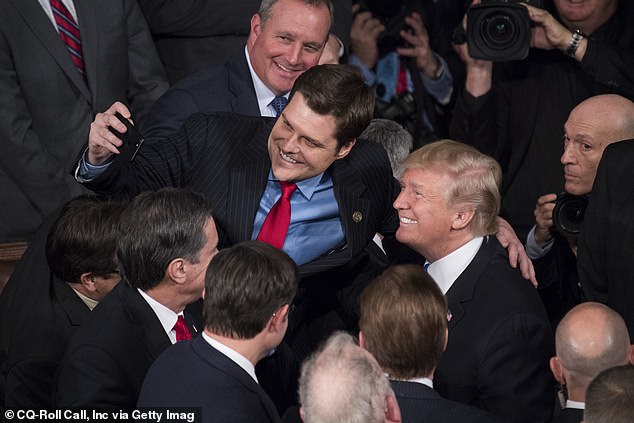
[500, 341]
[606, 241]
[108, 357]
[569, 415]
[420, 403]
[225, 88]
[194, 374]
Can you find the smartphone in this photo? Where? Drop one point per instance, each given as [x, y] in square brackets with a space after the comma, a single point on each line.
[132, 139]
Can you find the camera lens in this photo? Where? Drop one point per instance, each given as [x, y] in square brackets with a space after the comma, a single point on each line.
[499, 31]
[569, 212]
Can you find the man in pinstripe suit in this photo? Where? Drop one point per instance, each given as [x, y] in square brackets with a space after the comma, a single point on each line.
[344, 195]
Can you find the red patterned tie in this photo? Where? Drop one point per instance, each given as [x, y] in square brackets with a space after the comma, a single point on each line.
[69, 31]
[181, 329]
[275, 225]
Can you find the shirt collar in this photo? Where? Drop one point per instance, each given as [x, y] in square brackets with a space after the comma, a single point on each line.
[165, 315]
[233, 355]
[446, 270]
[90, 303]
[262, 92]
[575, 404]
[423, 380]
[308, 186]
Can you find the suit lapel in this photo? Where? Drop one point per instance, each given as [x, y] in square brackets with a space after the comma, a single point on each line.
[35, 18]
[461, 291]
[244, 99]
[88, 24]
[247, 181]
[146, 323]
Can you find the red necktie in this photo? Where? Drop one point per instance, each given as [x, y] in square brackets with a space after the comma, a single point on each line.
[69, 31]
[275, 225]
[181, 329]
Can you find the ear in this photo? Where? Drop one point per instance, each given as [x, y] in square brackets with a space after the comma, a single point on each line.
[88, 281]
[278, 318]
[557, 369]
[345, 149]
[630, 354]
[362, 340]
[176, 270]
[462, 219]
[301, 413]
[256, 24]
[392, 410]
[444, 347]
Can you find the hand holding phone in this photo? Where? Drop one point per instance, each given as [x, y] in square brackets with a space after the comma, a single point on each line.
[132, 139]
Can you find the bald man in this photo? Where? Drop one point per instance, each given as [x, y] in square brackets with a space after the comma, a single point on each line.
[591, 126]
[589, 339]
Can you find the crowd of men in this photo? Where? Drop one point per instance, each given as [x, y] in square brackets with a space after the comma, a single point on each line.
[265, 250]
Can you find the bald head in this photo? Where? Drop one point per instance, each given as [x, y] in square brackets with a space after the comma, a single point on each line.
[591, 126]
[591, 338]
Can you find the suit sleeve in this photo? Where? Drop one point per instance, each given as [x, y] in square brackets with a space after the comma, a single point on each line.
[514, 382]
[147, 76]
[89, 377]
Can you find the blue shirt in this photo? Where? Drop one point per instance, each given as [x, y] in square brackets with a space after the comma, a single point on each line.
[315, 226]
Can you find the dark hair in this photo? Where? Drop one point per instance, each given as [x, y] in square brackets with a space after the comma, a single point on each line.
[244, 286]
[404, 321]
[83, 239]
[338, 90]
[158, 227]
[610, 396]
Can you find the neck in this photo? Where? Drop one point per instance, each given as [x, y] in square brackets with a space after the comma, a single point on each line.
[166, 296]
[452, 242]
[248, 348]
[593, 23]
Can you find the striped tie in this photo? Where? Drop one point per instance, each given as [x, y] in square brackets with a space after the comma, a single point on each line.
[69, 31]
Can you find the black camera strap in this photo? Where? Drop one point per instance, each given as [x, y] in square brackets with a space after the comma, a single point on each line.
[424, 104]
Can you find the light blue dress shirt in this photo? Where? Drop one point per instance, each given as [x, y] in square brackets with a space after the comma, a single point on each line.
[315, 226]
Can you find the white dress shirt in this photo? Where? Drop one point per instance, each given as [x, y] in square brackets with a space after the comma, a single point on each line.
[264, 95]
[446, 270]
[166, 316]
[233, 355]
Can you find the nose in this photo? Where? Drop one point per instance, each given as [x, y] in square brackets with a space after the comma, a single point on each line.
[401, 202]
[568, 156]
[290, 144]
[295, 54]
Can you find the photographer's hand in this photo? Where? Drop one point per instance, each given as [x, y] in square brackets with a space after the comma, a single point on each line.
[479, 72]
[544, 218]
[420, 50]
[364, 33]
[102, 143]
[548, 33]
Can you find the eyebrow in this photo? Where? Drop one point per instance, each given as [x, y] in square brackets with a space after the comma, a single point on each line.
[318, 143]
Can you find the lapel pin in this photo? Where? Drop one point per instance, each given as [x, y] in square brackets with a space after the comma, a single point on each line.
[357, 217]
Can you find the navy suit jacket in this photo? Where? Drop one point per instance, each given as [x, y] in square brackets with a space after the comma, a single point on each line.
[569, 415]
[500, 341]
[194, 374]
[420, 403]
[226, 88]
[108, 357]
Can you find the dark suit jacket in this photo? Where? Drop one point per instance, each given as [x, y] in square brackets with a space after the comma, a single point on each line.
[33, 340]
[38, 315]
[108, 357]
[46, 106]
[606, 243]
[420, 403]
[225, 88]
[569, 415]
[500, 341]
[194, 374]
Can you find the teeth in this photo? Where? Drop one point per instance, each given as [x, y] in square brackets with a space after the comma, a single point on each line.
[287, 158]
[407, 220]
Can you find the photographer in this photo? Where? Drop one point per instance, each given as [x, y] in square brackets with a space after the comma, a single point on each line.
[514, 110]
[397, 45]
[593, 125]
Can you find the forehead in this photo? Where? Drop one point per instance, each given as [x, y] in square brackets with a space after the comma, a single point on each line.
[308, 123]
[298, 17]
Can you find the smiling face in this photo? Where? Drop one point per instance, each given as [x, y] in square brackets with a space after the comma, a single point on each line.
[302, 143]
[288, 43]
[425, 220]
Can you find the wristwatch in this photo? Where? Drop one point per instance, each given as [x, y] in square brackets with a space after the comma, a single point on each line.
[577, 36]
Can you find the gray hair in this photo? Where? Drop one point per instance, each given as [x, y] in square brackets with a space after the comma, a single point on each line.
[395, 139]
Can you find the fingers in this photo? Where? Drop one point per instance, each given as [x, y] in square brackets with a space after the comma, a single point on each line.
[102, 143]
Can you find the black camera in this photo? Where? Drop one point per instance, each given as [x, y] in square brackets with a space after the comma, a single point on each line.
[568, 213]
[499, 30]
[392, 14]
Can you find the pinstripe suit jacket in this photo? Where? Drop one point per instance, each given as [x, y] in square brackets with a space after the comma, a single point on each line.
[224, 157]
